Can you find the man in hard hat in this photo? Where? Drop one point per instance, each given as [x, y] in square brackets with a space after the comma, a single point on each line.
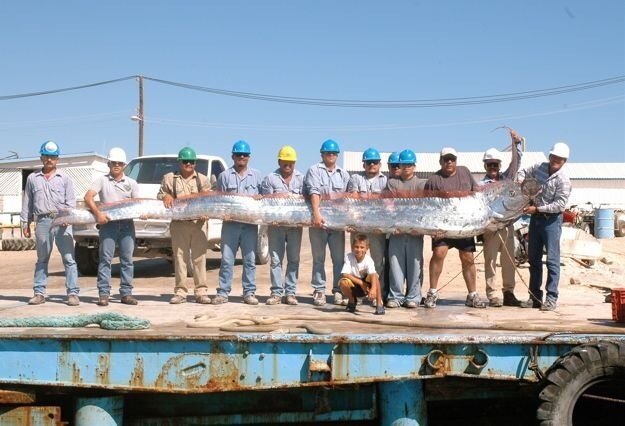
[452, 178]
[188, 237]
[370, 183]
[502, 240]
[546, 225]
[394, 168]
[405, 251]
[238, 179]
[321, 180]
[285, 180]
[46, 192]
[112, 187]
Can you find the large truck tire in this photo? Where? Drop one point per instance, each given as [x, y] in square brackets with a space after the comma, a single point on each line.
[589, 379]
[262, 246]
[87, 260]
[18, 244]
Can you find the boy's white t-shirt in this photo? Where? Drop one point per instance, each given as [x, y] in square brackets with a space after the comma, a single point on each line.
[362, 269]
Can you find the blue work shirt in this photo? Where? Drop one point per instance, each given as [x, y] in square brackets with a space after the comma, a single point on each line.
[274, 183]
[360, 183]
[46, 196]
[321, 181]
[230, 181]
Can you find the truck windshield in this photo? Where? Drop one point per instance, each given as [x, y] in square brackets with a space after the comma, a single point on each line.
[152, 170]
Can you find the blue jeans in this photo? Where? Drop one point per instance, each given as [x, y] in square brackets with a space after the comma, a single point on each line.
[405, 254]
[319, 238]
[545, 233]
[122, 233]
[233, 236]
[45, 237]
[283, 238]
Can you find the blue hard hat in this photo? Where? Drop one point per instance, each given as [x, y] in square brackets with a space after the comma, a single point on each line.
[407, 156]
[371, 154]
[330, 146]
[49, 148]
[393, 158]
[241, 147]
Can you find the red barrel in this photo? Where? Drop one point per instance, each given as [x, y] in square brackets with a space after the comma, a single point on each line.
[618, 304]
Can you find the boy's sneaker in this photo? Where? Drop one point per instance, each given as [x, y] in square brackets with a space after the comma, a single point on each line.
[319, 298]
[338, 298]
[530, 303]
[274, 299]
[475, 301]
[392, 303]
[291, 299]
[351, 306]
[250, 299]
[549, 305]
[379, 310]
[430, 300]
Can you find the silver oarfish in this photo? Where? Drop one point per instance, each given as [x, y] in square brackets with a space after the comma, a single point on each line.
[492, 207]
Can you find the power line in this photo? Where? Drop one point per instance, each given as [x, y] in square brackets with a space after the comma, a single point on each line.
[66, 89]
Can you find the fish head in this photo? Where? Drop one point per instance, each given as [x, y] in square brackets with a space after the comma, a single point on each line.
[506, 200]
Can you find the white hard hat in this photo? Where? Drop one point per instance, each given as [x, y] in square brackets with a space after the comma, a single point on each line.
[492, 154]
[560, 149]
[117, 154]
[448, 151]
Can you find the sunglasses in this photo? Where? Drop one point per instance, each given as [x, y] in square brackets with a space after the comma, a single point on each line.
[393, 166]
[188, 162]
[372, 162]
[242, 155]
[116, 164]
[493, 165]
[452, 159]
[50, 157]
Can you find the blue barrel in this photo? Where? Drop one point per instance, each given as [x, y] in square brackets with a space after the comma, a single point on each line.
[604, 223]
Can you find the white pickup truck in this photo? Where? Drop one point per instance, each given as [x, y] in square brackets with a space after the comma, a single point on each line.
[153, 239]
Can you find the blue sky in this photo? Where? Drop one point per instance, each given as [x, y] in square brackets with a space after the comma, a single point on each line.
[373, 50]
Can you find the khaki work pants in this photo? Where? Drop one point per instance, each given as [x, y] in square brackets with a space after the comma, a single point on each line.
[494, 245]
[189, 236]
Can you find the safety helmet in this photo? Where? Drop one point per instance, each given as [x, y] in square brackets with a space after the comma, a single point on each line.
[117, 155]
[241, 147]
[561, 150]
[407, 156]
[287, 153]
[393, 158]
[330, 146]
[49, 148]
[492, 154]
[187, 153]
[371, 154]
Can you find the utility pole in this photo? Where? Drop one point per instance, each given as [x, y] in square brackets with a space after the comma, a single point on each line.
[140, 115]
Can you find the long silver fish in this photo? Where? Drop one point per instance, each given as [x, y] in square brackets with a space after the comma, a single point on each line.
[493, 207]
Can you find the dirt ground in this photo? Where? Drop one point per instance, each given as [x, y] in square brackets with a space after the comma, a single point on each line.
[581, 306]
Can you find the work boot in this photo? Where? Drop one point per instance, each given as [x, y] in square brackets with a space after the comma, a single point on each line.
[103, 300]
[37, 299]
[351, 305]
[203, 300]
[319, 298]
[73, 300]
[129, 300]
[220, 300]
[495, 302]
[177, 299]
[509, 299]
[291, 299]
[530, 303]
[250, 299]
[274, 299]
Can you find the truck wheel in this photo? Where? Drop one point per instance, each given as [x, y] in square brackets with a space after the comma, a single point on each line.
[262, 246]
[585, 382]
[18, 244]
[87, 260]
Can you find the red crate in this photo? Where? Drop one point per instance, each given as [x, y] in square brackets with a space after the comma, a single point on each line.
[618, 304]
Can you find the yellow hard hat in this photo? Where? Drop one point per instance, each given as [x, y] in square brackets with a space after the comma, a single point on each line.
[287, 153]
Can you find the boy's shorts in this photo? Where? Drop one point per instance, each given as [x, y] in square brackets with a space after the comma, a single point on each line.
[357, 290]
[462, 244]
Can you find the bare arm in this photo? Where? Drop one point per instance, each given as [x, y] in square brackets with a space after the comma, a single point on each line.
[100, 217]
